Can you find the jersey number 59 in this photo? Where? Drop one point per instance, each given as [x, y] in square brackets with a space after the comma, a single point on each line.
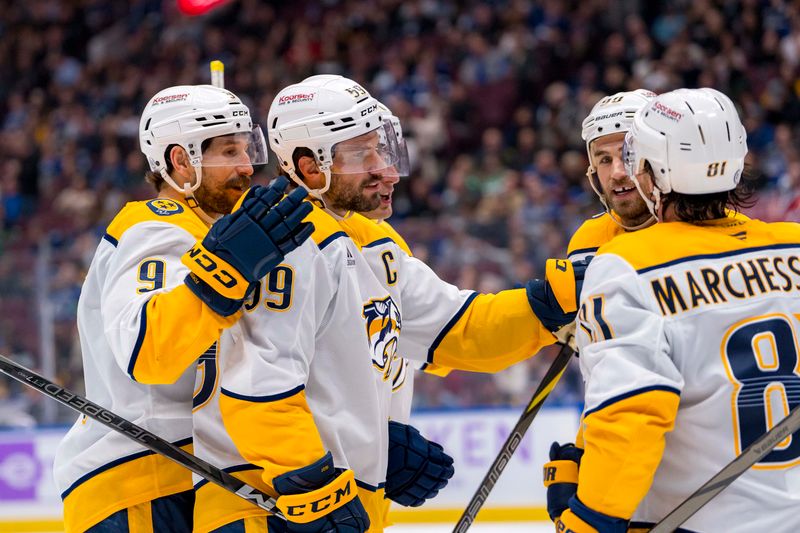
[277, 291]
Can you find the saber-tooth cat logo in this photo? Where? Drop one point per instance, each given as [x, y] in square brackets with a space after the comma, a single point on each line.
[383, 330]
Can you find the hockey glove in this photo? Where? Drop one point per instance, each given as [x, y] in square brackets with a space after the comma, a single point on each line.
[555, 299]
[319, 498]
[418, 468]
[580, 519]
[561, 477]
[242, 247]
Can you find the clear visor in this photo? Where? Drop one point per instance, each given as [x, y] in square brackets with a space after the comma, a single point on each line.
[237, 149]
[629, 156]
[376, 151]
[403, 166]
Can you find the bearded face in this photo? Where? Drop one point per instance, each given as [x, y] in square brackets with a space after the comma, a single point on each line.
[615, 185]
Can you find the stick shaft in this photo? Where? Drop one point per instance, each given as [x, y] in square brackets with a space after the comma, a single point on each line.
[138, 434]
[217, 74]
[750, 456]
[549, 381]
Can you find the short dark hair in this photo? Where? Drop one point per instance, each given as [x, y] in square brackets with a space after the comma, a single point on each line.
[699, 207]
[156, 179]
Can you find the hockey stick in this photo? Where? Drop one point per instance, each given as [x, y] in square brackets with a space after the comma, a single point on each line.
[217, 73]
[139, 434]
[750, 456]
[549, 381]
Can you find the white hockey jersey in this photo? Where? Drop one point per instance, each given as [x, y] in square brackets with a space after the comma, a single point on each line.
[403, 378]
[139, 324]
[405, 309]
[688, 337]
[308, 369]
[445, 327]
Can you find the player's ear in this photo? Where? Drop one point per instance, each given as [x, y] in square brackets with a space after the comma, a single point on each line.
[311, 174]
[180, 162]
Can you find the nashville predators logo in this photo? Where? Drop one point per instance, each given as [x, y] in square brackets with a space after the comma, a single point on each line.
[383, 330]
[165, 207]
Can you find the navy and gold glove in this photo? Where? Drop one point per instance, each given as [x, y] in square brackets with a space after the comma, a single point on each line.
[578, 518]
[242, 247]
[555, 299]
[319, 498]
[561, 477]
[418, 468]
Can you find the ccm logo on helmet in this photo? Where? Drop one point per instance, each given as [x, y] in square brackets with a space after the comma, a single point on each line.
[321, 504]
[369, 110]
[240, 113]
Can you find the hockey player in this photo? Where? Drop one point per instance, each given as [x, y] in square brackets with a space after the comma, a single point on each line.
[298, 401]
[603, 130]
[168, 277]
[688, 346]
[403, 381]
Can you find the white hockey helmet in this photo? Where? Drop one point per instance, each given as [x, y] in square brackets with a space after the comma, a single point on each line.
[693, 140]
[187, 115]
[612, 114]
[320, 112]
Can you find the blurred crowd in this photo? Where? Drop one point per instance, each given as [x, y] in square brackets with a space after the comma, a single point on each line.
[491, 95]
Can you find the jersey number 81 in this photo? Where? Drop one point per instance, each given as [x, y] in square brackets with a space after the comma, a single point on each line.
[761, 358]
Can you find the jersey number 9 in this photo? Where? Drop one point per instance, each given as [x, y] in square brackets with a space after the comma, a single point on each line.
[151, 275]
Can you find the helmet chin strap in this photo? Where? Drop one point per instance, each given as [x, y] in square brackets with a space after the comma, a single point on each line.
[314, 194]
[654, 206]
[325, 205]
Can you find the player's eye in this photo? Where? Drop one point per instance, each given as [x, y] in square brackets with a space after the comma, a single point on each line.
[605, 160]
[355, 156]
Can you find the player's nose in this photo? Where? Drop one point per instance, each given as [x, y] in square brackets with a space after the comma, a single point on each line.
[245, 168]
[618, 168]
[390, 176]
